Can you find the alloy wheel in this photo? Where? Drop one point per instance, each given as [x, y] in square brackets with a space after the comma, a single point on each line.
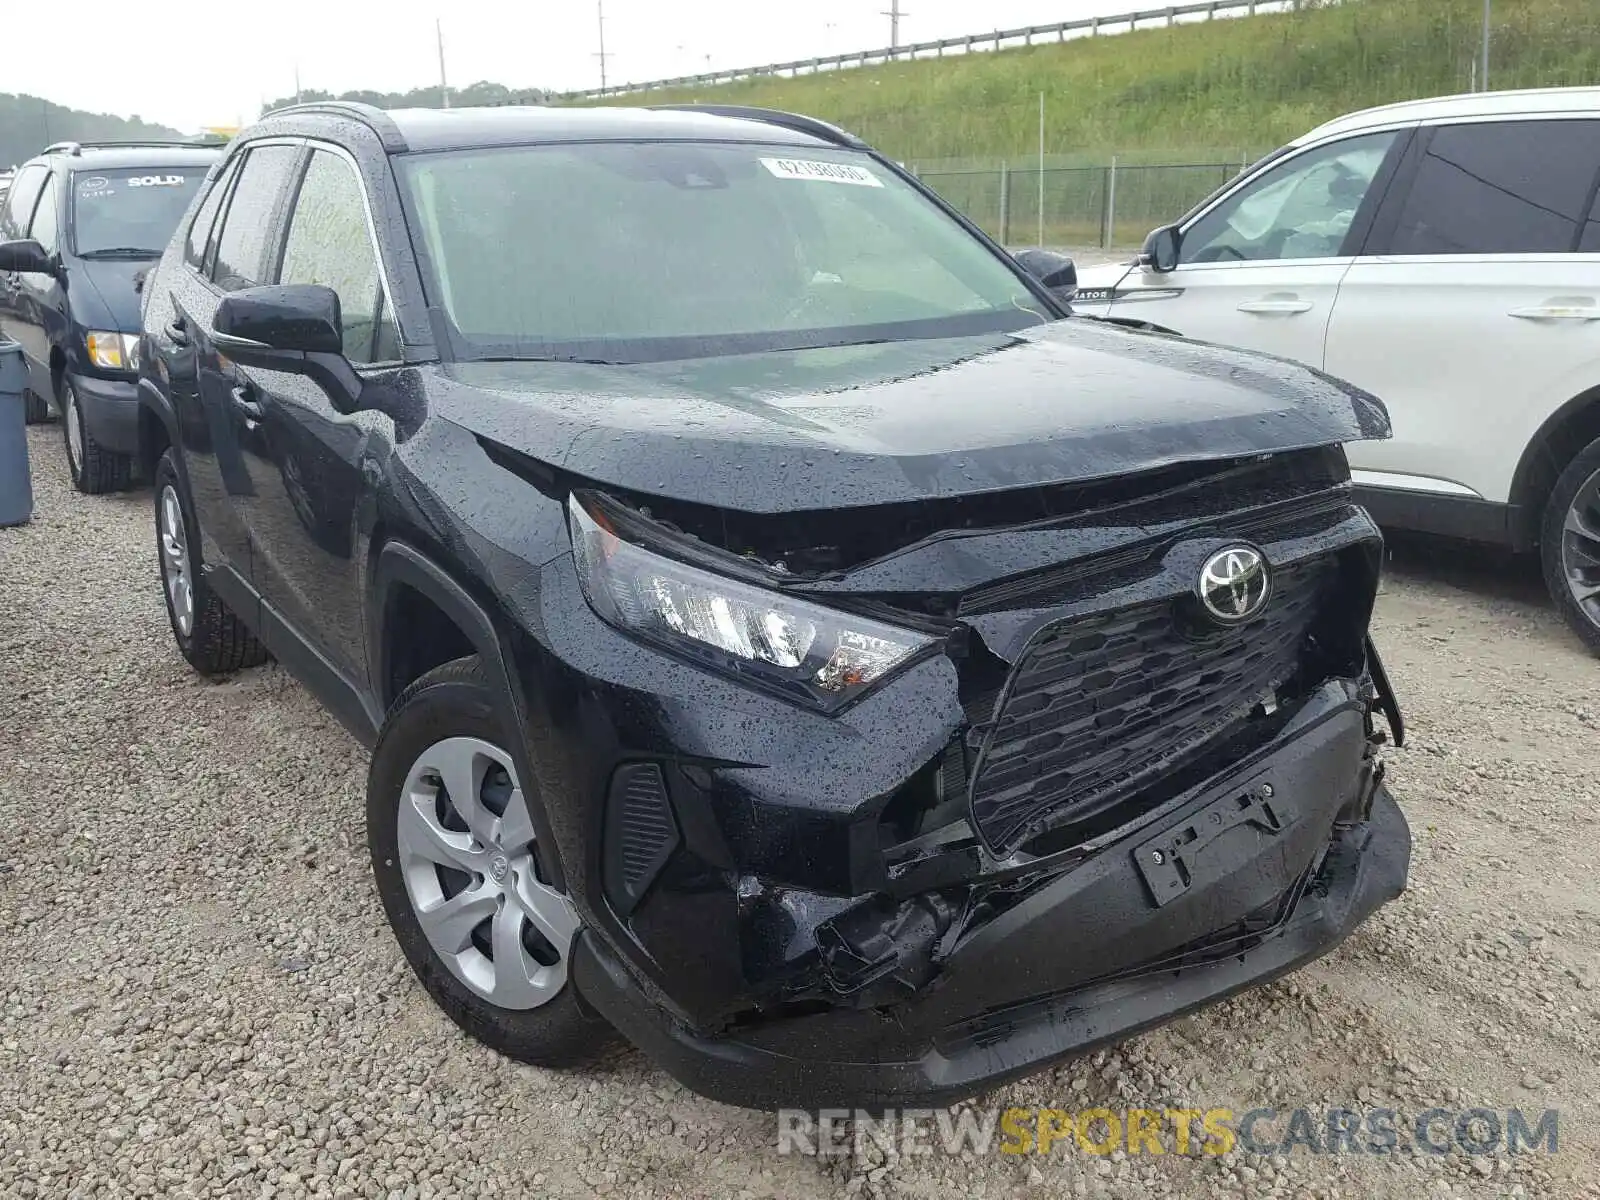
[73, 419]
[176, 573]
[1580, 548]
[467, 858]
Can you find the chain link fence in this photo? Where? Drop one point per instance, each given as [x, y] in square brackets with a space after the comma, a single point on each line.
[1071, 202]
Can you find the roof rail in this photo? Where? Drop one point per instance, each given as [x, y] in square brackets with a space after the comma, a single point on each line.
[771, 116]
[75, 148]
[375, 119]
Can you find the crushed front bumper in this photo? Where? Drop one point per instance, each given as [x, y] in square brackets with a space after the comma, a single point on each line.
[1259, 872]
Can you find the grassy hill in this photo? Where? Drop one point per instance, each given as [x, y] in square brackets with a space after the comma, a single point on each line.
[1245, 84]
[29, 123]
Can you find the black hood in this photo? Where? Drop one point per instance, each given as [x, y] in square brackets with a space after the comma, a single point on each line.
[104, 293]
[814, 429]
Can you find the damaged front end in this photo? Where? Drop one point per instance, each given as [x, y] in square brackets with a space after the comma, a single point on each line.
[1083, 795]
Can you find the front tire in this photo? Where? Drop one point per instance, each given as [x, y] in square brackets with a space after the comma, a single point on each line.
[458, 871]
[1569, 545]
[210, 637]
[94, 469]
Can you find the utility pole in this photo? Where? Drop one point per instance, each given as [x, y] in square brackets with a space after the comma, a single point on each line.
[444, 88]
[894, 14]
[1483, 70]
[600, 13]
[297, 83]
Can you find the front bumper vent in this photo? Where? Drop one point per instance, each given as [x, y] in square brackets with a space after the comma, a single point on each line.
[641, 834]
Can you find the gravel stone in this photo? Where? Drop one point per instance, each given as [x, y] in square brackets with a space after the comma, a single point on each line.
[199, 995]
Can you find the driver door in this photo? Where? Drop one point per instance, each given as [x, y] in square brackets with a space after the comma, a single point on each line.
[1261, 268]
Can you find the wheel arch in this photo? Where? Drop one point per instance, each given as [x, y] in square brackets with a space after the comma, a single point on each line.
[1564, 433]
[158, 429]
[401, 569]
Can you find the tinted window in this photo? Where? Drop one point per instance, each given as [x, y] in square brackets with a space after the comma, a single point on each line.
[247, 225]
[19, 201]
[329, 244]
[46, 225]
[194, 250]
[1301, 208]
[1517, 187]
[633, 252]
[130, 211]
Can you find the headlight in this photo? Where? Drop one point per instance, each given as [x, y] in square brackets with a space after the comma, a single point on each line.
[802, 649]
[113, 351]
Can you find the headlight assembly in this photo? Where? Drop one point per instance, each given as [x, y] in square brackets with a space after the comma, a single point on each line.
[804, 650]
[113, 351]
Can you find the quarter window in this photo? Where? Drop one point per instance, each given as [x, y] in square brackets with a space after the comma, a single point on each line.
[1301, 208]
[46, 227]
[329, 244]
[247, 227]
[1514, 187]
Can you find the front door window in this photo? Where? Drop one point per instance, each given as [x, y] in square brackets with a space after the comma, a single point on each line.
[1301, 208]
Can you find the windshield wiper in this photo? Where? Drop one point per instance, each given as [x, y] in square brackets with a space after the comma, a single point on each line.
[121, 252]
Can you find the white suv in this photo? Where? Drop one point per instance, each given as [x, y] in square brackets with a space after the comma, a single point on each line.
[1445, 255]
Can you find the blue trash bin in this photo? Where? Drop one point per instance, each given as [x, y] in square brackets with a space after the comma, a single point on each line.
[16, 485]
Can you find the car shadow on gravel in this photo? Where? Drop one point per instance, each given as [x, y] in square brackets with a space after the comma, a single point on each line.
[1491, 571]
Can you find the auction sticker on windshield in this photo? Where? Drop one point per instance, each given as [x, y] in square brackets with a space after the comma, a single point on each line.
[821, 172]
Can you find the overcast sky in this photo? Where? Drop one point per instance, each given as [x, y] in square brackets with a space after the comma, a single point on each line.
[188, 64]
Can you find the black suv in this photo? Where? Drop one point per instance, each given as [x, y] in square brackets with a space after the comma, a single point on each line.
[80, 226]
[784, 633]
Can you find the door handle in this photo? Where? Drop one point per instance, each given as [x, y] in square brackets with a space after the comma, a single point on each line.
[178, 331]
[1557, 312]
[1285, 307]
[244, 400]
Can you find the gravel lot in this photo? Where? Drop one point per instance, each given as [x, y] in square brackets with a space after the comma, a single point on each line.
[199, 995]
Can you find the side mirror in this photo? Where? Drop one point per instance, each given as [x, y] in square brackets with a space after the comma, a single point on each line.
[26, 257]
[1056, 271]
[298, 319]
[1161, 249]
[292, 327]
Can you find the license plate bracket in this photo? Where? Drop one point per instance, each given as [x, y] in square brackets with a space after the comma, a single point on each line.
[1171, 861]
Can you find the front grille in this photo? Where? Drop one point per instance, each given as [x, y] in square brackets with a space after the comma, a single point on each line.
[1101, 705]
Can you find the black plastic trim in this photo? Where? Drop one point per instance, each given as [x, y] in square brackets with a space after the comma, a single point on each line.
[772, 116]
[344, 698]
[1464, 517]
[641, 834]
[398, 563]
[375, 119]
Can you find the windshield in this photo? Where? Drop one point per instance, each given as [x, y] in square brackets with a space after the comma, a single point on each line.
[130, 211]
[623, 252]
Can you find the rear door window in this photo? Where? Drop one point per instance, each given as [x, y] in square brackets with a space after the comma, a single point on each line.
[1509, 187]
[247, 228]
[46, 227]
[205, 220]
[19, 201]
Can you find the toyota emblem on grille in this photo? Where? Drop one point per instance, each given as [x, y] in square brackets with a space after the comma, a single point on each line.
[1234, 584]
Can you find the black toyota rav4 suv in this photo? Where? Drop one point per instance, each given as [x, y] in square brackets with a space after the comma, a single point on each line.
[784, 633]
[79, 228]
